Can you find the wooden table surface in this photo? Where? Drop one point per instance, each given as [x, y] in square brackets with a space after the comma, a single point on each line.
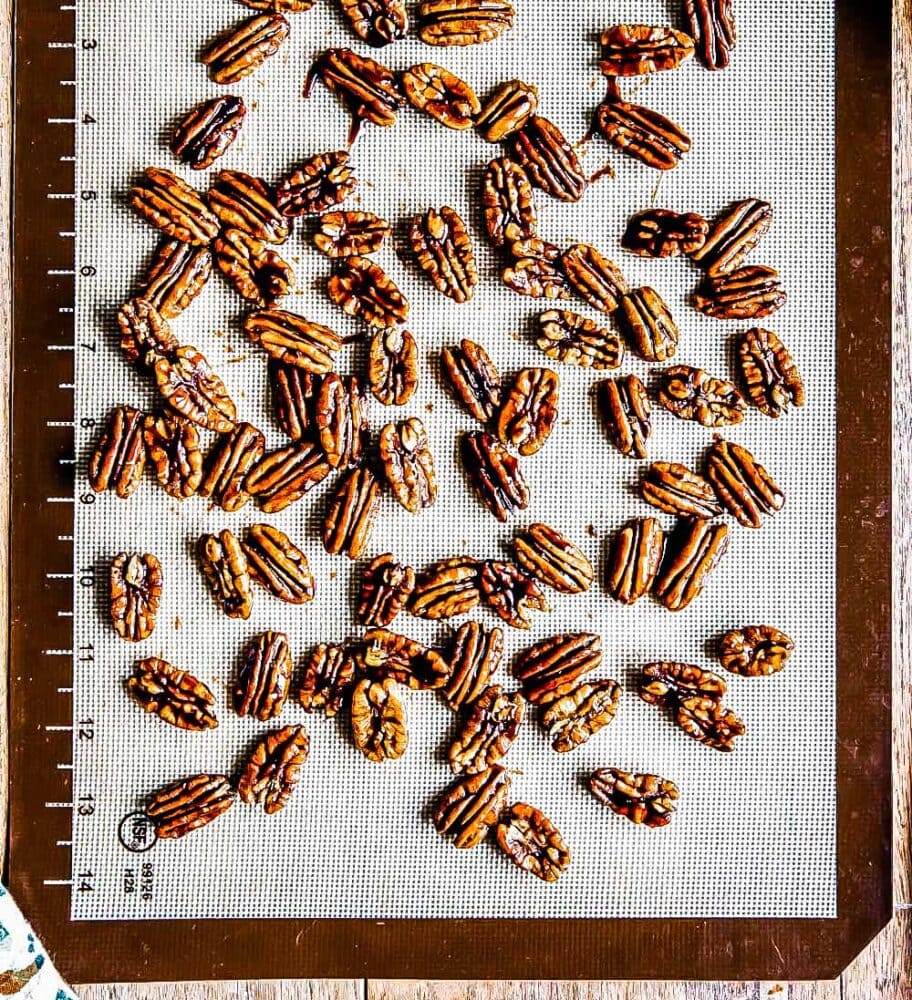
[882, 971]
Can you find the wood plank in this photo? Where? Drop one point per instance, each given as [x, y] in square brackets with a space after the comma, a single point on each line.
[305, 989]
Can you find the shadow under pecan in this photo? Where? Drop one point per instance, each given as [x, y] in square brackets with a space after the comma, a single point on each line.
[177, 274]
[229, 461]
[494, 474]
[363, 289]
[257, 273]
[274, 769]
[242, 49]
[637, 49]
[321, 182]
[634, 556]
[692, 552]
[191, 388]
[441, 94]
[623, 404]
[119, 458]
[462, 22]
[446, 588]
[712, 26]
[472, 805]
[577, 340]
[509, 208]
[644, 799]
[441, 244]
[248, 203]
[488, 732]
[549, 160]
[393, 366]
[732, 236]
[532, 842]
[386, 587]
[388, 654]
[379, 725]
[474, 657]
[351, 514]
[224, 565]
[175, 696]
[377, 22]
[554, 560]
[770, 377]
[278, 565]
[693, 394]
[550, 669]
[673, 488]
[329, 674]
[173, 448]
[528, 411]
[506, 110]
[473, 378]
[282, 477]
[585, 710]
[408, 464]
[170, 204]
[510, 593]
[265, 675]
[660, 233]
[207, 130]
[293, 340]
[136, 588]
[745, 488]
[189, 804]
[350, 234]
[645, 321]
[755, 650]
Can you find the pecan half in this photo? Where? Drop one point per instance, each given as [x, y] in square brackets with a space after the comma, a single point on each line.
[733, 235]
[641, 132]
[623, 404]
[692, 394]
[136, 588]
[408, 464]
[712, 26]
[244, 48]
[249, 204]
[667, 683]
[536, 279]
[660, 233]
[549, 160]
[474, 658]
[506, 110]
[351, 513]
[693, 551]
[755, 650]
[747, 293]
[171, 205]
[294, 393]
[377, 22]
[350, 234]
[172, 444]
[446, 588]
[633, 559]
[557, 562]
[745, 488]
[647, 324]
[550, 669]
[175, 696]
[277, 564]
[529, 410]
[771, 379]
[536, 248]
[581, 713]
[119, 458]
[642, 798]
[227, 465]
[387, 654]
[510, 593]
[273, 770]
[672, 487]
[224, 565]
[187, 805]
[340, 420]
[473, 378]
[257, 273]
[206, 131]
[509, 211]
[392, 366]
[265, 675]
[635, 49]
[192, 389]
[321, 182]
[576, 340]
[593, 277]
[472, 805]
[462, 22]
[386, 587]
[709, 722]
[441, 94]
[329, 673]
[282, 477]
[379, 727]
[363, 289]
[280, 6]
[176, 276]
[494, 474]
[293, 340]
[489, 731]
[532, 842]
[441, 243]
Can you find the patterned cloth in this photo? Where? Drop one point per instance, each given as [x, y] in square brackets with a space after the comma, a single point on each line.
[25, 970]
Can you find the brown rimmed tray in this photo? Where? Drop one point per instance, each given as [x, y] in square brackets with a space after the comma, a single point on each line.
[40, 720]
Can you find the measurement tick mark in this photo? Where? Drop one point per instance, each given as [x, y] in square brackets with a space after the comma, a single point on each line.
[58, 881]
[61, 121]
[58, 729]
[61, 45]
[58, 805]
[64, 843]
[56, 652]
[59, 499]
[60, 423]
[59, 576]
[57, 195]
[60, 270]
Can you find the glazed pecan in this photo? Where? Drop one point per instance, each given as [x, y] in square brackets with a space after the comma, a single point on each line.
[536, 248]
[510, 593]
[647, 324]
[351, 513]
[294, 393]
[745, 488]
[340, 420]
[387, 654]
[377, 22]
[386, 587]
[462, 22]
[509, 211]
[732, 236]
[692, 394]
[224, 565]
[641, 132]
[633, 559]
[693, 551]
[265, 675]
[192, 389]
[273, 770]
[489, 731]
[173, 448]
[282, 477]
[755, 650]
[536, 279]
[379, 727]
[350, 234]
[362, 288]
[320, 183]
[550, 669]
[171, 205]
[624, 407]
[249, 204]
[119, 458]
[280, 6]
[660, 233]
[576, 340]
[244, 48]
[257, 273]
[672, 487]
[206, 131]
[709, 722]
[494, 474]
[581, 713]
[532, 842]
[136, 588]
[667, 683]
[641, 798]
[549, 160]
[441, 243]
[227, 465]
[747, 293]
[506, 110]
[442, 94]
[770, 376]
[446, 588]
[293, 340]
[547, 555]
[277, 564]
[175, 696]
[408, 464]
[175, 277]
[529, 410]
[392, 366]
[473, 378]
[593, 277]
[474, 658]
[189, 804]
[472, 805]
[635, 49]
[328, 674]
[712, 27]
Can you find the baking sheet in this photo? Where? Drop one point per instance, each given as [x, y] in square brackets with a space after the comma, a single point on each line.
[755, 833]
